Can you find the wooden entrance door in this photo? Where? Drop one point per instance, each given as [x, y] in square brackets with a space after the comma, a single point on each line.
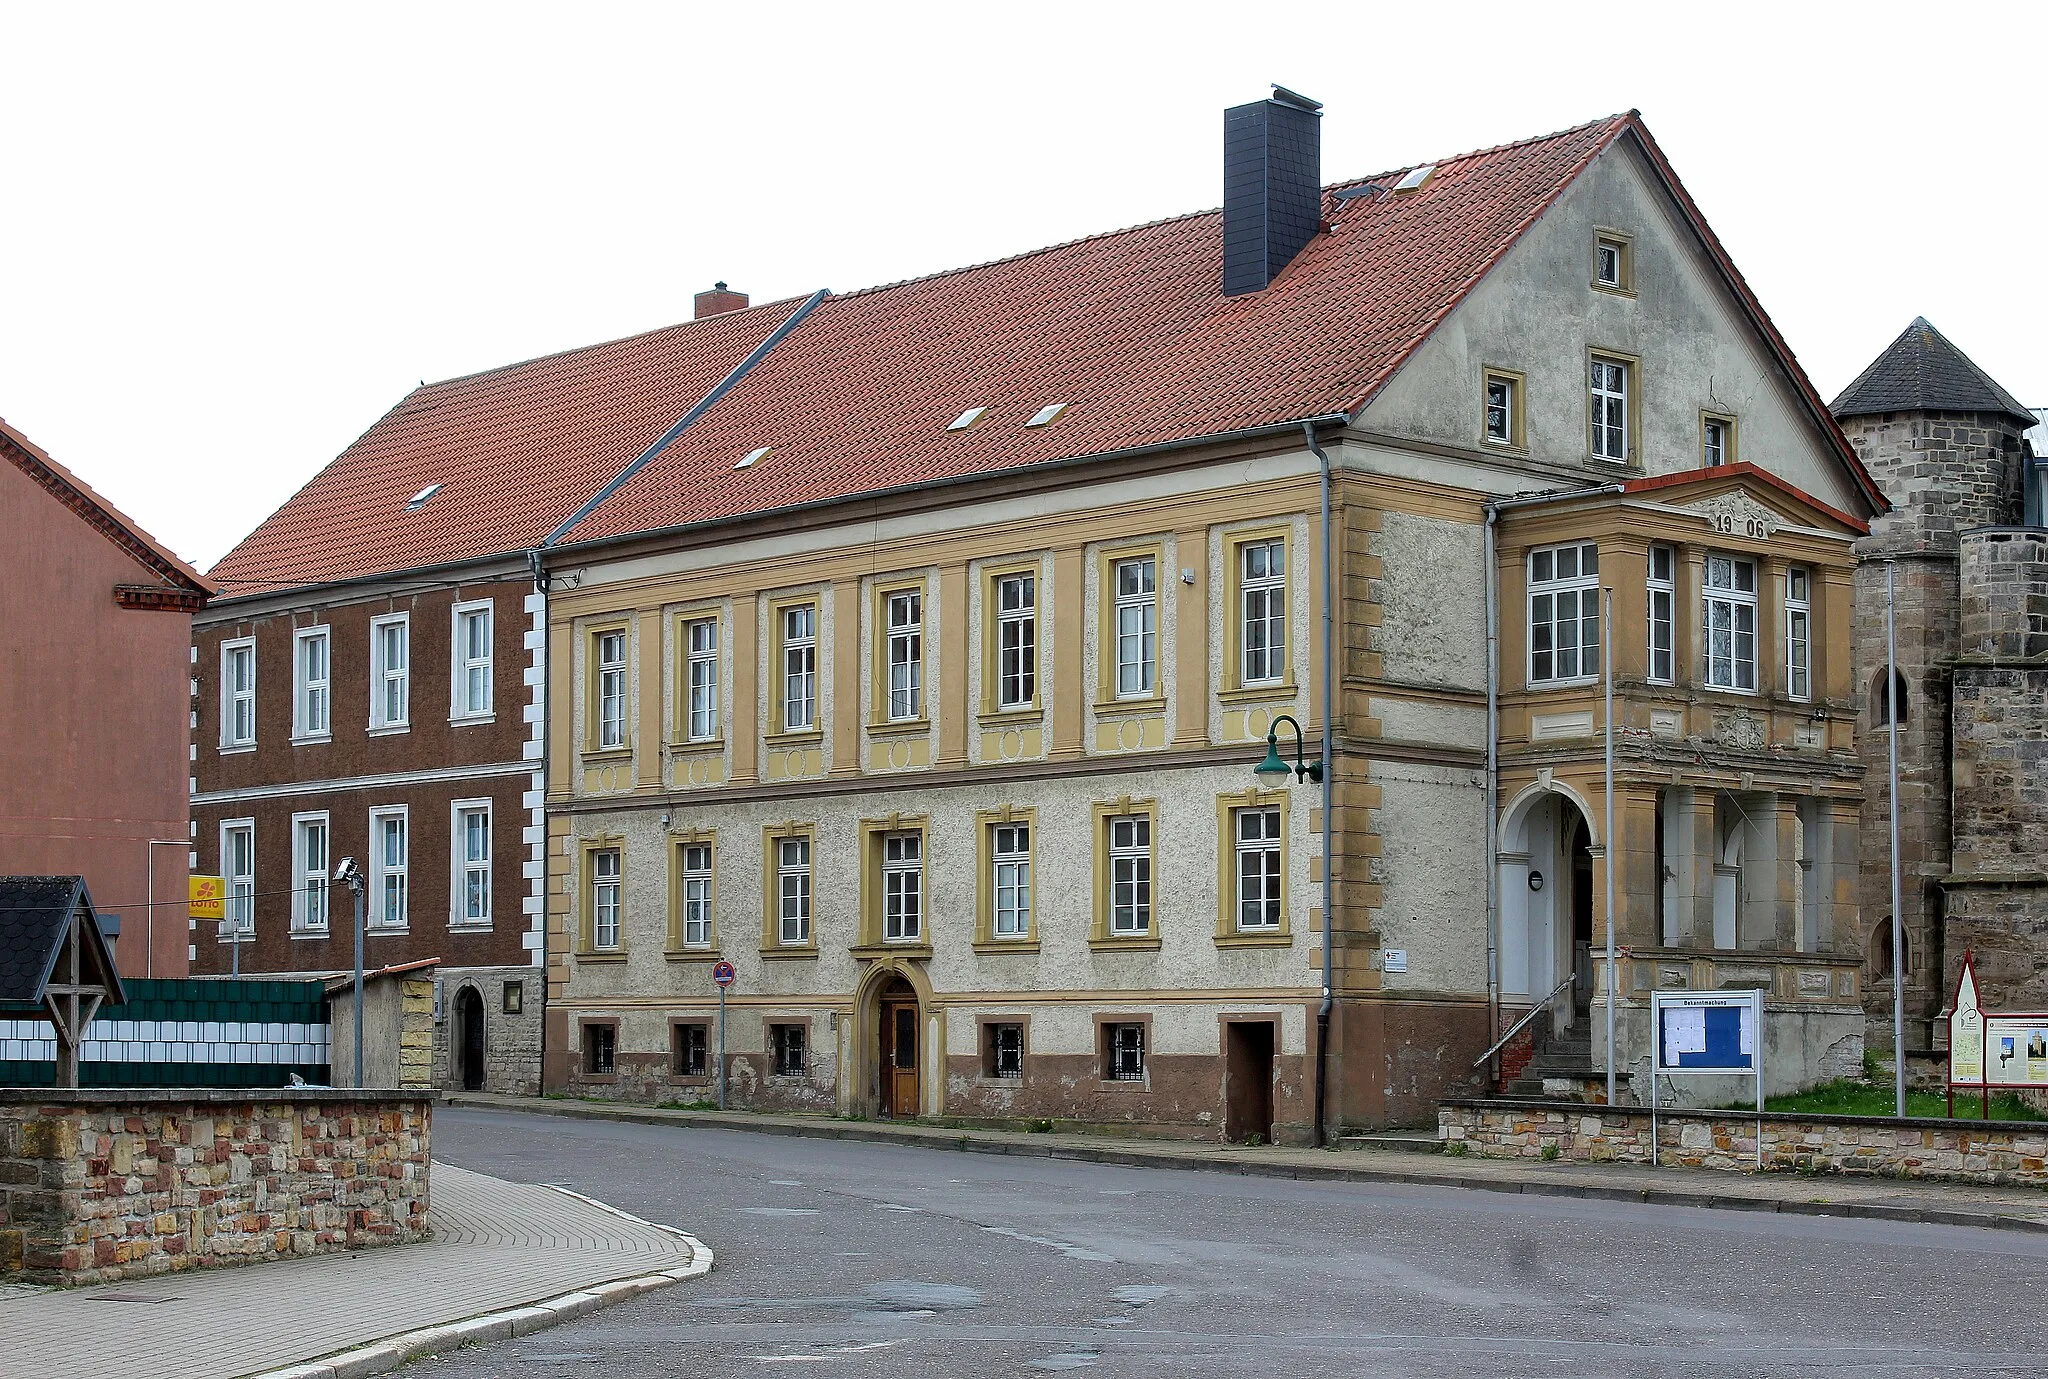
[899, 1057]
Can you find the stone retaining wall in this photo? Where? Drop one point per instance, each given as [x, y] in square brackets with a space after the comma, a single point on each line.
[1955, 1150]
[99, 1185]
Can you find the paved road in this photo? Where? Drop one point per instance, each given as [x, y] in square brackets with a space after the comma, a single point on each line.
[870, 1259]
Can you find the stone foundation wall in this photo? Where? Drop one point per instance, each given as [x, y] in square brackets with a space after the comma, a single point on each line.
[512, 1039]
[100, 1185]
[1967, 1151]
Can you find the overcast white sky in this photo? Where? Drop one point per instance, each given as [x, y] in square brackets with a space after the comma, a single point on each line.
[235, 235]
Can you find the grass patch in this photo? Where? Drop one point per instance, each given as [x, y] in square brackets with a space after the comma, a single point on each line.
[698, 1105]
[1852, 1098]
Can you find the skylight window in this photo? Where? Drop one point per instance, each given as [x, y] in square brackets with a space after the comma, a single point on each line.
[967, 418]
[752, 455]
[1048, 414]
[1414, 180]
[419, 500]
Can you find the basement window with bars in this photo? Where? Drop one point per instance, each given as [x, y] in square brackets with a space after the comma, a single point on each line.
[788, 1042]
[600, 1049]
[1003, 1051]
[692, 1050]
[1124, 1050]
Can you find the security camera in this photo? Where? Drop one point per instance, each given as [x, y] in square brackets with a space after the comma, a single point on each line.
[346, 872]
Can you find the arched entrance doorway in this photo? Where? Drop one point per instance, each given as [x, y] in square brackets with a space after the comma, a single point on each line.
[469, 1038]
[1546, 901]
[900, 1052]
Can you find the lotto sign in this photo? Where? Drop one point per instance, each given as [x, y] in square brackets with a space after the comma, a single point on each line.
[208, 897]
[723, 974]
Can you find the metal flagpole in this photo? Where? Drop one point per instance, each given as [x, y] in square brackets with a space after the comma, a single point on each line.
[1607, 838]
[1891, 700]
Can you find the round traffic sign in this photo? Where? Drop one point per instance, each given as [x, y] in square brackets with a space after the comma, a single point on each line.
[723, 974]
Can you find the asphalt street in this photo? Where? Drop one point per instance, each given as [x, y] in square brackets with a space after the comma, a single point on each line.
[869, 1259]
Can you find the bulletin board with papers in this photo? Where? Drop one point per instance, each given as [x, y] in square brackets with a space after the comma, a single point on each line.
[1706, 1032]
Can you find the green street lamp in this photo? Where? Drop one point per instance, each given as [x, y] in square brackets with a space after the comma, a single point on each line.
[1274, 770]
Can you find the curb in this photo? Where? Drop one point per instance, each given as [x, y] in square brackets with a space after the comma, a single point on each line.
[382, 1356]
[1136, 1157]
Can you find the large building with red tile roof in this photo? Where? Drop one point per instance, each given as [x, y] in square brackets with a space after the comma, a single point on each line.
[94, 660]
[910, 649]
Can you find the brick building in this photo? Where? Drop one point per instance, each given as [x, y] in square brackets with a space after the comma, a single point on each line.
[1966, 548]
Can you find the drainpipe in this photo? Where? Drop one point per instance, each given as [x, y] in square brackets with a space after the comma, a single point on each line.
[540, 586]
[1491, 577]
[1308, 432]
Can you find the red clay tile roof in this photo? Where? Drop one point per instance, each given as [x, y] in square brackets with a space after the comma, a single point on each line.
[1129, 328]
[98, 513]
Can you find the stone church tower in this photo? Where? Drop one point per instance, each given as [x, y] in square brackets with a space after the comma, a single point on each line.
[1945, 443]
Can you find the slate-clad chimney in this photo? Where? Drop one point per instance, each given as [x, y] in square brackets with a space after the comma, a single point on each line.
[1272, 187]
[719, 300]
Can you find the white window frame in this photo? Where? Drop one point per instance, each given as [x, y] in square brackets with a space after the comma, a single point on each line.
[793, 890]
[1607, 407]
[240, 885]
[1130, 866]
[310, 693]
[1584, 590]
[1016, 640]
[1799, 632]
[1262, 604]
[903, 610]
[1663, 608]
[390, 881]
[1713, 442]
[461, 865]
[1135, 638]
[1504, 409]
[607, 898]
[1010, 879]
[611, 689]
[695, 868]
[799, 667]
[461, 708]
[312, 886]
[1258, 867]
[1726, 672]
[700, 676]
[233, 697]
[390, 685]
[1603, 248]
[903, 887]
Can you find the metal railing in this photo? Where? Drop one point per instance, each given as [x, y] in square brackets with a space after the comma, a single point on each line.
[1520, 1024]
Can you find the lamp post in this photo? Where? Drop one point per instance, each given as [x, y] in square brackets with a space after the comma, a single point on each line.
[351, 875]
[1273, 772]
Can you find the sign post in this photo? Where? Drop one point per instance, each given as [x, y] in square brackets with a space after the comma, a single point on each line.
[1988, 1048]
[725, 976]
[1706, 1032]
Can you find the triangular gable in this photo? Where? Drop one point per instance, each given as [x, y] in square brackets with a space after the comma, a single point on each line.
[1740, 491]
[36, 916]
[102, 516]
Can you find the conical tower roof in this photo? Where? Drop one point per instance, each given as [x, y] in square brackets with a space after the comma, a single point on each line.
[1922, 371]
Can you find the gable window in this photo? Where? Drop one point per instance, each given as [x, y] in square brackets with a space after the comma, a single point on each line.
[1663, 590]
[606, 884]
[702, 635]
[472, 862]
[1564, 613]
[696, 879]
[1613, 263]
[906, 655]
[238, 693]
[389, 850]
[1608, 390]
[1003, 1051]
[692, 1050]
[902, 887]
[1503, 408]
[799, 667]
[472, 668]
[1137, 632]
[1124, 1047]
[609, 648]
[1717, 440]
[309, 873]
[238, 870]
[1011, 859]
[1798, 633]
[787, 1042]
[1016, 641]
[390, 683]
[1263, 598]
[793, 889]
[1258, 868]
[1730, 622]
[309, 683]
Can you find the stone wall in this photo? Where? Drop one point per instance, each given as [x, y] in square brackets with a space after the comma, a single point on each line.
[1968, 1151]
[512, 1038]
[100, 1185]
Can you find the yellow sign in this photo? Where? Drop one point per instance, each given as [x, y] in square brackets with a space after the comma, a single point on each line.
[209, 898]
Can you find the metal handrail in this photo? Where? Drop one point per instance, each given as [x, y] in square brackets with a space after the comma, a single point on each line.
[1516, 1028]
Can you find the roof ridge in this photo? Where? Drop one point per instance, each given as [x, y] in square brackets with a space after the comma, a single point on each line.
[1495, 148]
[114, 524]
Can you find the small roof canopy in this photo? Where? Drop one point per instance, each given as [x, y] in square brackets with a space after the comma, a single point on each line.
[53, 955]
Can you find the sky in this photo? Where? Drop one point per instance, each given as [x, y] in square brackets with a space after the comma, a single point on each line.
[236, 235]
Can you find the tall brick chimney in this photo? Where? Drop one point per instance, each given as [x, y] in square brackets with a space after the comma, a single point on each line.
[719, 300]
[1272, 187]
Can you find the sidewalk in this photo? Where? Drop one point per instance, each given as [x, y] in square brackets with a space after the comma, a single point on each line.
[505, 1259]
[1890, 1199]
